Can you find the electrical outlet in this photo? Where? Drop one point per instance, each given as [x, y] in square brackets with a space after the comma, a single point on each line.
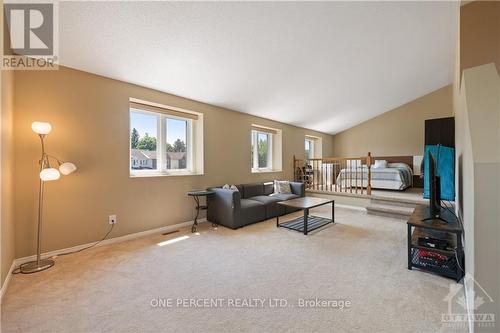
[112, 219]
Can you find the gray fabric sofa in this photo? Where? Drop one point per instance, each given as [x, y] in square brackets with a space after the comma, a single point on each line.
[251, 203]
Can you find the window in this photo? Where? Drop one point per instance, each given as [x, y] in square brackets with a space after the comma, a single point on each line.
[261, 150]
[313, 147]
[309, 149]
[265, 149]
[164, 141]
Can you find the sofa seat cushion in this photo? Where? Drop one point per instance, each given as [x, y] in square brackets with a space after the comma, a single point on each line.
[265, 199]
[248, 204]
[284, 196]
[250, 211]
[271, 203]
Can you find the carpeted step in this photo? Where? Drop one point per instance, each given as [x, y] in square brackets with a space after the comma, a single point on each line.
[391, 210]
[397, 202]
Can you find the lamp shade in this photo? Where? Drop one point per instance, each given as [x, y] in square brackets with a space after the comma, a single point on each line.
[49, 174]
[66, 168]
[40, 127]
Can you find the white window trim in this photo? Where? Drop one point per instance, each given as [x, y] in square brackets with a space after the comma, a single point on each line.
[194, 144]
[275, 149]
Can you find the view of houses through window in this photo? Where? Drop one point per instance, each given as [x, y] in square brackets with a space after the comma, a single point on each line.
[156, 137]
[176, 143]
[143, 141]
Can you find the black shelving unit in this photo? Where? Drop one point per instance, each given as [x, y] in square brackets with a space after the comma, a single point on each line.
[448, 262]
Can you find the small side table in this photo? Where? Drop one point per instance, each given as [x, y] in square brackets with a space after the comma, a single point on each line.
[418, 181]
[448, 262]
[196, 196]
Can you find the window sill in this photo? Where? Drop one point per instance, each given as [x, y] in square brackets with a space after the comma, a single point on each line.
[265, 170]
[163, 174]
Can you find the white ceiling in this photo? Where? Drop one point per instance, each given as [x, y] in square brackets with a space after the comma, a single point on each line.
[325, 66]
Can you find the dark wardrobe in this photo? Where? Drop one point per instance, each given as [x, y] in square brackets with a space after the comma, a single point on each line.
[440, 131]
[440, 137]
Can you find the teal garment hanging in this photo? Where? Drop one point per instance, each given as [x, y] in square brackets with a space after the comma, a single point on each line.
[445, 169]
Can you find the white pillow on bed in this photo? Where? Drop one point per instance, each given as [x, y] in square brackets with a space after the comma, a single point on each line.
[380, 164]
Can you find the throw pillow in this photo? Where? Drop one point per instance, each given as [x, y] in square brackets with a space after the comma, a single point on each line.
[380, 164]
[230, 187]
[282, 186]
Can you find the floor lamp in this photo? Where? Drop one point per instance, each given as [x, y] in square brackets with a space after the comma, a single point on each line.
[47, 173]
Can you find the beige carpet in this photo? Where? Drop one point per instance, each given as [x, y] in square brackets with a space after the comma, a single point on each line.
[361, 259]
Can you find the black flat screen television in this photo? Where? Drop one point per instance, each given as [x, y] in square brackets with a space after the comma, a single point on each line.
[435, 209]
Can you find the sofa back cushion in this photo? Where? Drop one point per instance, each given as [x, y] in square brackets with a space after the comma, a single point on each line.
[240, 188]
[252, 190]
[268, 188]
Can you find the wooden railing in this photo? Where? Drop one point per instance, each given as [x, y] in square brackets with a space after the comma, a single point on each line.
[335, 174]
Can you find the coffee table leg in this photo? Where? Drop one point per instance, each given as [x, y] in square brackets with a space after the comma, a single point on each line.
[333, 211]
[306, 215]
[277, 220]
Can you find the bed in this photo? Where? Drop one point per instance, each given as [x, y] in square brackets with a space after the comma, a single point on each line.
[396, 175]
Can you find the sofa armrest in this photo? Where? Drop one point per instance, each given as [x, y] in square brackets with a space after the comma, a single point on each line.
[222, 206]
[228, 198]
[298, 188]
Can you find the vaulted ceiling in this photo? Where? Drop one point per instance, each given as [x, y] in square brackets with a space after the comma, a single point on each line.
[324, 65]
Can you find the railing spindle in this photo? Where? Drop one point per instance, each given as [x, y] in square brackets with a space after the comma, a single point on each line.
[356, 177]
[335, 176]
[350, 176]
[369, 183]
[314, 175]
[362, 177]
[330, 175]
[343, 176]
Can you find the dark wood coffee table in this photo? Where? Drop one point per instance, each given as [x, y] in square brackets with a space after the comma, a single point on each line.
[307, 222]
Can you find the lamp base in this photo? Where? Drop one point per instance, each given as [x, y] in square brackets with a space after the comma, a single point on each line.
[34, 266]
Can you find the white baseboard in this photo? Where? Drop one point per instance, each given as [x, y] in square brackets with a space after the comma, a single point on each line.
[119, 239]
[470, 313]
[7, 280]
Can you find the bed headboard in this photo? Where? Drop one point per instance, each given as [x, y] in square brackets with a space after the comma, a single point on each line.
[395, 159]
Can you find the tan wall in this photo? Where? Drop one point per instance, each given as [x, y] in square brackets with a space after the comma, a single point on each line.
[90, 120]
[480, 34]
[7, 172]
[479, 178]
[396, 132]
[477, 114]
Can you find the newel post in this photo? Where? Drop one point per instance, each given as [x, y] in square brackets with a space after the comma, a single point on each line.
[368, 165]
[294, 169]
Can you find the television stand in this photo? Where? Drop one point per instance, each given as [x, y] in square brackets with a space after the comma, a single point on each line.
[430, 219]
[442, 212]
[447, 262]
